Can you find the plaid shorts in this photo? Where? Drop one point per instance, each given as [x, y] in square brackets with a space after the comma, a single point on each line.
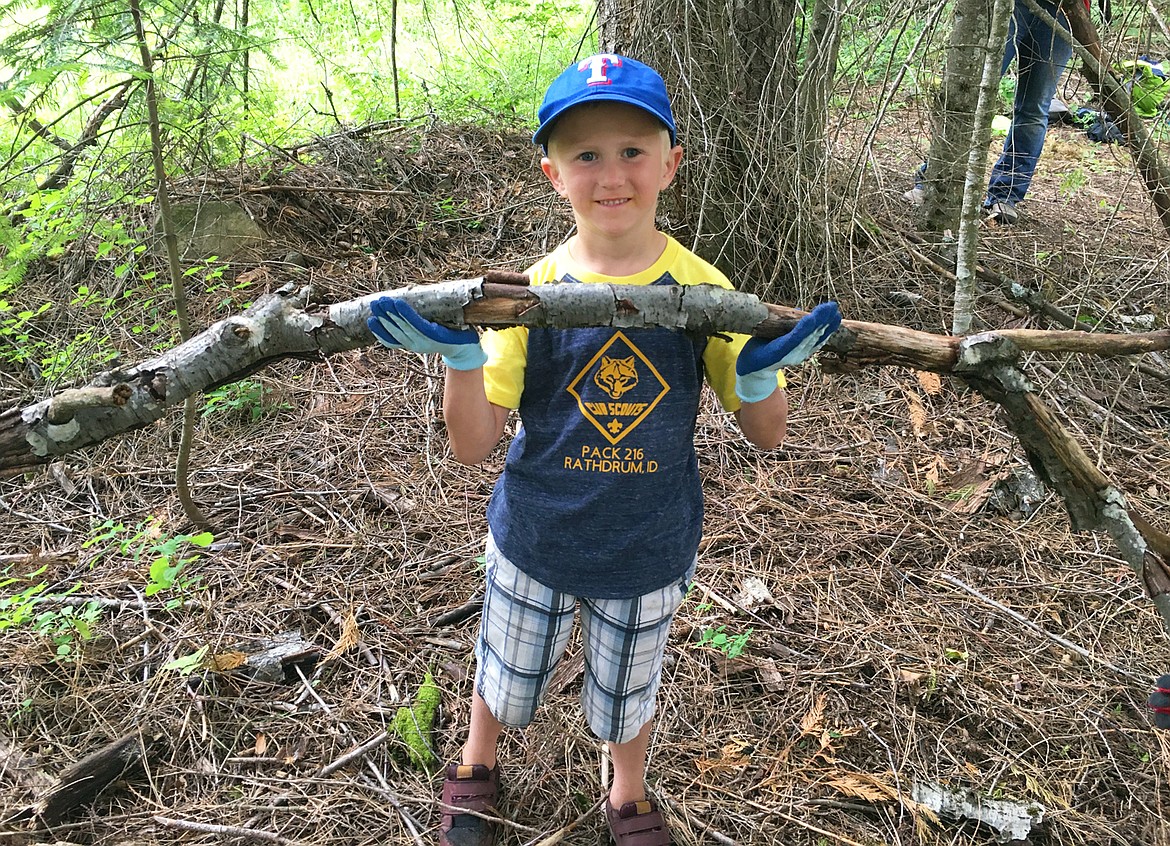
[526, 627]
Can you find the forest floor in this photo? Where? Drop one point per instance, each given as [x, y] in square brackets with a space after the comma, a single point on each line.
[902, 614]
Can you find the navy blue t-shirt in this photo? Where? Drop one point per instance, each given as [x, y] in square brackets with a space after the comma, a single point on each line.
[600, 494]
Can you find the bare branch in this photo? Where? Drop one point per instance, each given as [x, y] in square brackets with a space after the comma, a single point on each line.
[281, 325]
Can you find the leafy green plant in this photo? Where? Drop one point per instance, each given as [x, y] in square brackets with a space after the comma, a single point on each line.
[229, 301]
[1007, 92]
[870, 47]
[185, 665]
[167, 568]
[960, 494]
[208, 270]
[22, 710]
[15, 325]
[18, 609]
[1072, 181]
[456, 211]
[78, 355]
[47, 227]
[64, 625]
[247, 400]
[47, 224]
[730, 645]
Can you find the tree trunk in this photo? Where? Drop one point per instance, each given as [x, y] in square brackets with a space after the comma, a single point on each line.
[813, 90]
[754, 189]
[975, 174]
[954, 117]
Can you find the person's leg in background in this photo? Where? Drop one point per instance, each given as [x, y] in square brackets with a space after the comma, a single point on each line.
[1041, 57]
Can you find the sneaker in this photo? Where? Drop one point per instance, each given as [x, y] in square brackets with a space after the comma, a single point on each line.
[1003, 213]
[637, 824]
[469, 788]
[916, 195]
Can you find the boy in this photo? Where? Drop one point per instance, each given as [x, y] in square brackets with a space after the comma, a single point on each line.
[599, 504]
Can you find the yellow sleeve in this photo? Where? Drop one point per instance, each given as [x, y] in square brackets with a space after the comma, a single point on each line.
[719, 363]
[503, 375]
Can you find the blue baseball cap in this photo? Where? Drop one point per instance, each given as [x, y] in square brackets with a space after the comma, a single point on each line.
[605, 76]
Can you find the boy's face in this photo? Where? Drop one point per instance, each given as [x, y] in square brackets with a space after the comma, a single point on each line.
[610, 160]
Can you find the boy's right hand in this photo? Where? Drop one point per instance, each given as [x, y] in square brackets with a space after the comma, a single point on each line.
[398, 326]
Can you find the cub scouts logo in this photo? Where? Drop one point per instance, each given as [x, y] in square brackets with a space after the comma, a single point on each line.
[618, 388]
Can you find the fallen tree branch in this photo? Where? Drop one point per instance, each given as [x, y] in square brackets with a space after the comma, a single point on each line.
[232, 831]
[1116, 100]
[989, 365]
[1028, 624]
[89, 137]
[81, 783]
[1007, 288]
[283, 325]
[352, 755]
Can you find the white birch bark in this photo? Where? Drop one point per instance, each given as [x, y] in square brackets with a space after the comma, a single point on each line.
[976, 176]
[281, 325]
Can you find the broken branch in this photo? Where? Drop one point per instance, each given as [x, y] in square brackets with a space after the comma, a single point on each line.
[282, 325]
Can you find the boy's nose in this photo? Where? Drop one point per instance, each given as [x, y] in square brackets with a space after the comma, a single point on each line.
[611, 175]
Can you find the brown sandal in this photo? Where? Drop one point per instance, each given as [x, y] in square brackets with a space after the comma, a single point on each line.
[471, 787]
[637, 824]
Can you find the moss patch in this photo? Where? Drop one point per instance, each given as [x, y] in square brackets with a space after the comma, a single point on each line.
[414, 724]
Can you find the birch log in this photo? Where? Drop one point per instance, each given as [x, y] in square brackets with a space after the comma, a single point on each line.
[283, 325]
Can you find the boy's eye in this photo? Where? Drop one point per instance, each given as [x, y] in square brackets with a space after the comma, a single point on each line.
[631, 152]
[587, 157]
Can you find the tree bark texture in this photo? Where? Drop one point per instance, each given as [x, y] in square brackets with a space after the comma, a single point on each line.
[80, 784]
[975, 173]
[953, 116]
[281, 325]
[989, 364]
[755, 189]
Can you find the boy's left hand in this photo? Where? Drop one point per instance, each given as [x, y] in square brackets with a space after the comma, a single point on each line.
[760, 359]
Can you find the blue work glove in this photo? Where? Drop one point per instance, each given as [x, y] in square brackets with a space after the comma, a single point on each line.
[398, 326]
[760, 359]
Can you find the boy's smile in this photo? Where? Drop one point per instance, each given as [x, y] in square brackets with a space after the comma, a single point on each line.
[610, 160]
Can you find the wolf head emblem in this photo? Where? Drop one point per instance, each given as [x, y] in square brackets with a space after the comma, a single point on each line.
[615, 376]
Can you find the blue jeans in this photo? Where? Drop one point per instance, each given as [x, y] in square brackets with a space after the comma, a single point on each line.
[1041, 56]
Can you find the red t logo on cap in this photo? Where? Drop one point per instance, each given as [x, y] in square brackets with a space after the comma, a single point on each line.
[597, 66]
